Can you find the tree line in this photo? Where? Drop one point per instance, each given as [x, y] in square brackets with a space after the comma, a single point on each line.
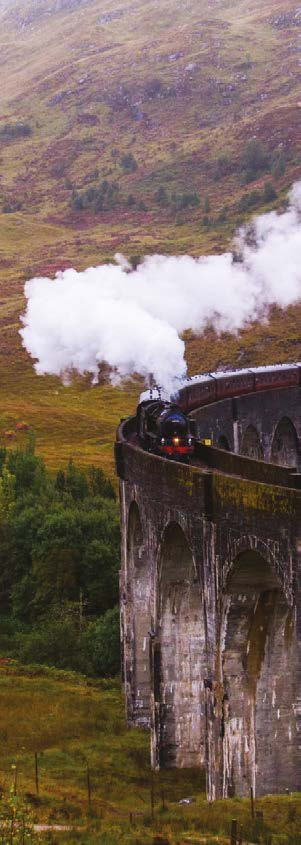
[59, 548]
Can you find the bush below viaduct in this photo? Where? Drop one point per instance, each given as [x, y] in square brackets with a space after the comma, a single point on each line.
[211, 595]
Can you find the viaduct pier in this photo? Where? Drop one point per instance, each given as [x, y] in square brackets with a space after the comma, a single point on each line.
[210, 586]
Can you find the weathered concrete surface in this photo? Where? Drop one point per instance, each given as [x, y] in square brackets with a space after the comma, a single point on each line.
[211, 617]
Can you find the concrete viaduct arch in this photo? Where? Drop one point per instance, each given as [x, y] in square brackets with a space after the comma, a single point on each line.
[257, 657]
[250, 444]
[180, 649]
[211, 601]
[265, 426]
[285, 445]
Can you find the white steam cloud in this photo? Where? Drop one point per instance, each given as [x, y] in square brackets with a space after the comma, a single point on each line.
[132, 320]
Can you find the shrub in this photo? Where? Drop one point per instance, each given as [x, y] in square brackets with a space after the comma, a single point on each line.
[249, 201]
[97, 202]
[28, 470]
[135, 261]
[112, 194]
[55, 643]
[269, 192]
[100, 485]
[11, 206]
[102, 644]
[254, 160]
[59, 642]
[58, 169]
[188, 199]
[223, 167]
[128, 163]
[90, 195]
[153, 88]
[77, 201]
[15, 130]
[100, 198]
[278, 165]
[222, 217]
[161, 196]
[3, 454]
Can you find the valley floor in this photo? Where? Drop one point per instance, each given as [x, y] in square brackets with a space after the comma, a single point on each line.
[93, 773]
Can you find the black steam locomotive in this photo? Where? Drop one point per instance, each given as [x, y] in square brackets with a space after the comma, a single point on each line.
[163, 428]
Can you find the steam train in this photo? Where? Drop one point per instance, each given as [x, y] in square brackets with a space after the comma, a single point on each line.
[205, 389]
[163, 428]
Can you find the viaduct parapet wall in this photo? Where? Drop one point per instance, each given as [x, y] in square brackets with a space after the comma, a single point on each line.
[211, 595]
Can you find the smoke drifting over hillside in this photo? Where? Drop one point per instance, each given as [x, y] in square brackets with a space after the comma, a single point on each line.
[132, 320]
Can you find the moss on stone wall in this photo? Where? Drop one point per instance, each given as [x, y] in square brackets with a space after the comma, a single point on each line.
[247, 495]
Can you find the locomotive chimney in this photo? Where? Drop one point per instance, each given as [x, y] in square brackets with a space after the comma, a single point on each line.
[151, 384]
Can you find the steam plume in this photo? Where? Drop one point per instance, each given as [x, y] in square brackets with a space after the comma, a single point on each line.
[132, 320]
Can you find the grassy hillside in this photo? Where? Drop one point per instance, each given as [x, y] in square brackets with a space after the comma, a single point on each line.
[73, 724]
[125, 127]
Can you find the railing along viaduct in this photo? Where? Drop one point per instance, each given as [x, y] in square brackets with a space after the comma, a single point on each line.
[211, 594]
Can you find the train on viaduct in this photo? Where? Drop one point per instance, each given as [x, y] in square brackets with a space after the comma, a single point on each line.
[210, 585]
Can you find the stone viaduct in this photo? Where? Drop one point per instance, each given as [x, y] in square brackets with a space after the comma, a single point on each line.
[211, 595]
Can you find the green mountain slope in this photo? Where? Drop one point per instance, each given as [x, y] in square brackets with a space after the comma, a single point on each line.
[125, 126]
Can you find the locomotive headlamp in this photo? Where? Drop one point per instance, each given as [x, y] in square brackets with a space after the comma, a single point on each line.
[176, 441]
[162, 441]
[189, 441]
